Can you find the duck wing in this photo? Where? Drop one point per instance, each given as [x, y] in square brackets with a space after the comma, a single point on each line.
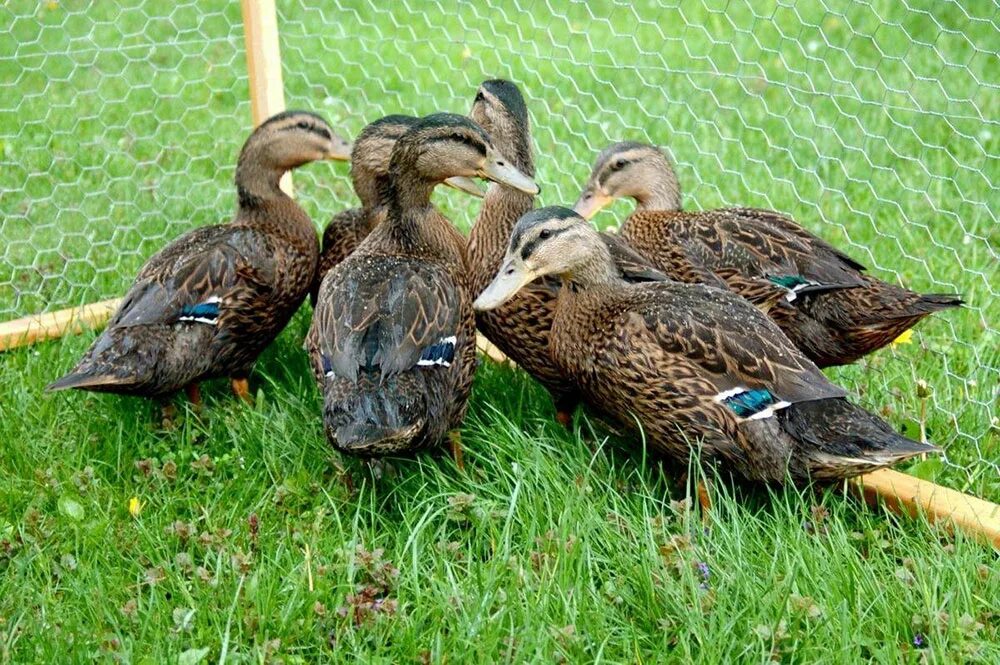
[386, 314]
[737, 352]
[757, 244]
[764, 243]
[198, 276]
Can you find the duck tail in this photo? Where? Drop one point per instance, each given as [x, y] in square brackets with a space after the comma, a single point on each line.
[371, 420]
[87, 379]
[933, 302]
[840, 440]
[372, 440]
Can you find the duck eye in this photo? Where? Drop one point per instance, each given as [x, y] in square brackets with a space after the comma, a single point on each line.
[303, 124]
[619, 165]
[545, 234]
[480, 96]
[457, 137]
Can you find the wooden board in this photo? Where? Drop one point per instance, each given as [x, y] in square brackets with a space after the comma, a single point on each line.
[908, 495]
[40, 327]
[267, 89]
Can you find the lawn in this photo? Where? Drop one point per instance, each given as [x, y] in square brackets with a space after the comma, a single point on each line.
[239, 534]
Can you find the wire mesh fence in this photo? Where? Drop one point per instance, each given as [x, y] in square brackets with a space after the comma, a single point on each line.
[875, 125]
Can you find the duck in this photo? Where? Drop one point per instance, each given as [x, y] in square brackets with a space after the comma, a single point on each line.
[691, 365]
[369, 166]
[208, 303]
[832, 310]
[520, 327]
[392, 340]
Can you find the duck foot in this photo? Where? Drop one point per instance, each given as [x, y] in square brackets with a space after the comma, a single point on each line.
[704, 500]
[455, 443]
[565, 418]
[241, 388]
[193, 392]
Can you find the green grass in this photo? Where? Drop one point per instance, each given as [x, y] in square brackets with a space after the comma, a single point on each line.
[118, 130]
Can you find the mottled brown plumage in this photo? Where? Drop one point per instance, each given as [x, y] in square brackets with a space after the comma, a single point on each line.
[831, 310]
[691, 364]
[369, 168]
[520, 327]
[393, 336]
[208, 303]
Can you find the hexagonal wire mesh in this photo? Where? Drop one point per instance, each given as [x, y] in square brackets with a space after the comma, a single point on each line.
[874, 125]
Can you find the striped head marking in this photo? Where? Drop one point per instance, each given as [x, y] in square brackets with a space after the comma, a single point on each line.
[546, 241]
[444, 145]
[293, 138]
[634, 170]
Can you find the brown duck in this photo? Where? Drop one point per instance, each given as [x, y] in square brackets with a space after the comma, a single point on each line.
[520, 327]
[392, 341]
[208, 303]
[690, 364]
[831, 310]
[369, 167]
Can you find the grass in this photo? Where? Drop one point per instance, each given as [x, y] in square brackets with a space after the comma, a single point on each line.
[252, 539]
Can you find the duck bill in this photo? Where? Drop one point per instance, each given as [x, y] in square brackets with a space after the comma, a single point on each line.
[591, 202]
[508, 282]
[498, 169]
[467, 185]
[340, 150]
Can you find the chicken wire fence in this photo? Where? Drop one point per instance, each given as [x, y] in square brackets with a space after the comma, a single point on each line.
[873, 124]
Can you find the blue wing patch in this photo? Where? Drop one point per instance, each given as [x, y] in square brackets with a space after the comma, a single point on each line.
[203, 312]
[751, 404]
[441, 352]
[795, 284]
[327, 365]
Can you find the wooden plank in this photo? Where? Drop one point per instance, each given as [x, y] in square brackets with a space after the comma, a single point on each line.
[487, 348]
[40, 327]
[267, 89]
[908, 495]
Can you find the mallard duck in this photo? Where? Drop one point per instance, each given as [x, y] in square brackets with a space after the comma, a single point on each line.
[691, 363]
[520, 328]
[392, 340]
[208, 303]
[831, 310]
[369, 166]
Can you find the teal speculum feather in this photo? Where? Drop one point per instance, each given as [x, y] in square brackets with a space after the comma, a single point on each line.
[206, 312]
[750, 402]
[789, 281]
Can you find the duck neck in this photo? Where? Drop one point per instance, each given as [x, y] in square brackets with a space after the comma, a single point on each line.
[502, 207]
[489, 236]
[257, 180]
[366, 186]
[597, 269]
[368, 193]
[263, 204]
[406, 198]
[663, 193]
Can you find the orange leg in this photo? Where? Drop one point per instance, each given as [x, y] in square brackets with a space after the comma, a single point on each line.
[455, 442]
[194, 395]
[704, 500]
[565, 418]
[241, 388]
